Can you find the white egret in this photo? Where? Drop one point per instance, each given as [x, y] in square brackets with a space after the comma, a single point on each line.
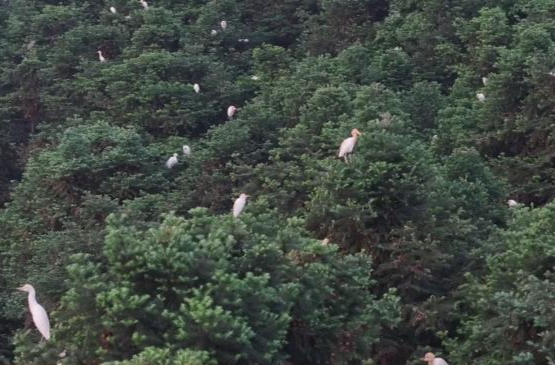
[244, 40]
[113, 10]
[144, 4]
[231, 111]
[512, 203]
[552, 73]
[37, 311]
[348, 145]
[101, 57]
[214, 32]
[197, 88]
[223, 24]
[239, 204]
[481, 97]
[431, 359]
[485, 80]
[172, 161]
[325, 241]
[186, 150]
[255, 78]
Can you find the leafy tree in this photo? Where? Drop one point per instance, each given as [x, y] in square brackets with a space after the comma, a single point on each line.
[510, 316]
[217, 289]
[67, 192]
[424, 195]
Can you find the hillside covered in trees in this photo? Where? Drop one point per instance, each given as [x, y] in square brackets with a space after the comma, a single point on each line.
[409, 246]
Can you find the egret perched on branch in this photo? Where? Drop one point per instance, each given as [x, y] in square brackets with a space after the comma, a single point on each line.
[348, 145]
[231, 111]
[144, 4]
[485, 81]
[186, 150]
[113, 10]
[197, 88]
[37, 312]
[214, 32]
[239, 204]
[172, 161]
[255, 78]
[431, 359]
[512, 203]
[325, 241]
[481, 97]
[223, 24]
[101, 57]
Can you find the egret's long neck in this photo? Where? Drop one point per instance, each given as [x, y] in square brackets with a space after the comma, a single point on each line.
[355, 136]
[32, 296]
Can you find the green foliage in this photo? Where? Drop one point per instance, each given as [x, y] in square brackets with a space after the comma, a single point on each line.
[422, 198]
[510, 319]
[66, 193]
[218, 288]
[164, 356]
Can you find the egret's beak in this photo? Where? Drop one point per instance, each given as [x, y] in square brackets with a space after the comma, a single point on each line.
[20, 289]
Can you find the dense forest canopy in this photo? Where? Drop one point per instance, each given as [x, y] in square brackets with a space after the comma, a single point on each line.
[406, 246]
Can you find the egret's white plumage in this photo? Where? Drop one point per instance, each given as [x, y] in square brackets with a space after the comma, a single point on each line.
[439, 361]
[172, 161]
[431, 359]
[325, 241]
[186, 150]
[223, 24]
[231, 111]
[255, 78]
[214, 32]
[244, 40]
[239, 204]
[144, 4]
[113, 10]
[40, 318]
[197, 88]
[512, 203]
[481, 97]
[348, 145]
[101, 57]
[485, 81]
